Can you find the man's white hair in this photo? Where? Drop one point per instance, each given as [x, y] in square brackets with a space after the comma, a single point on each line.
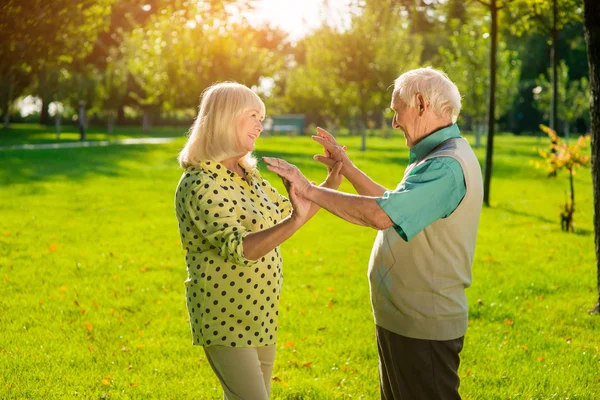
[435, 86]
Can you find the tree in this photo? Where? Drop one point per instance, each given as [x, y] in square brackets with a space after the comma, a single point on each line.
[358, 65]
[569, 157]
[592, 34]
[572, 97]
[495, 6]
[531, 15]
[465, 60]
[37, 33]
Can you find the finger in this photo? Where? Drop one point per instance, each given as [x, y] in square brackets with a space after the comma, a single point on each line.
[326, 135]
[276, 161]
[329, 162]
[337, 168]
[284, 173]
[325, 143]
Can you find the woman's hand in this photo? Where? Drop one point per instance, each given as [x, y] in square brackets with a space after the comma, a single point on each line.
[335, 177]
[296, 185]
[301, 205]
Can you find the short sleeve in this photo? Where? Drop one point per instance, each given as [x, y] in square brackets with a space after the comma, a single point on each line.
[432, 191]
[212, 213]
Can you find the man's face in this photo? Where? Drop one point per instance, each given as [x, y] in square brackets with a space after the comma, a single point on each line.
[405, 118]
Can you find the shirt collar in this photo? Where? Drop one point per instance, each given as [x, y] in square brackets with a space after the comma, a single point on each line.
[216, 169]
[428, 143]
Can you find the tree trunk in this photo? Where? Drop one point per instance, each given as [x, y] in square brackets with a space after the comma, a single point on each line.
[8, 103]
[111, 124]
[7, 117]
[57, 123]
[362, 128]
[567, 128]
[554, 61]
[491, 105]
[147, 121]
[45, 114]
[82, 120]
[592, 33]
[121, 115]
[479, 128]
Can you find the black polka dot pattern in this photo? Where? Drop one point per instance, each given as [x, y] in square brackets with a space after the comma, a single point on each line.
[231, 301]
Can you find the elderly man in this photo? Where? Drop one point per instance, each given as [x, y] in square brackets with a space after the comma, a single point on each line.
[421, 260]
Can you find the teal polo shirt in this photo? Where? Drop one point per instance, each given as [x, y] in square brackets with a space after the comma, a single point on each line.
[433, 190]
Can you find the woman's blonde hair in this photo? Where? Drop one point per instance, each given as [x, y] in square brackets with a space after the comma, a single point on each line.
[213, 136]
[436, 88]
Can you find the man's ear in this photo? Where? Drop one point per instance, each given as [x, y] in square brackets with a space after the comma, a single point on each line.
[420, 103]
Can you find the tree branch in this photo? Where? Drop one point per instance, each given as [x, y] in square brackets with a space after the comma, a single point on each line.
[506, 2]
[484, 3]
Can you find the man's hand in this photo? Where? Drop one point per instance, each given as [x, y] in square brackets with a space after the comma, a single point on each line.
[295, 183]
[333, 152]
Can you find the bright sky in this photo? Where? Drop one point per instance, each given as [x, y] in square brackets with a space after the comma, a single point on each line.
[299, 17]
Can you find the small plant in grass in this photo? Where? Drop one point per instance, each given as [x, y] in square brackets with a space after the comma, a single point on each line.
[559, 156]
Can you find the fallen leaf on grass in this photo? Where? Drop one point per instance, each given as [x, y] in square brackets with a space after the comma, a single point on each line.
[508, 321]
[133, 384]
[468, 372]
[53, 247]
[289, 344]
[276, 379]
[88, 326]
[540, 359]
[523, 347]
[105, 382]
[307, 364]
[95, 305]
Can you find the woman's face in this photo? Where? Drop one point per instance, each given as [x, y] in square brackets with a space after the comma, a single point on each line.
[249, 128]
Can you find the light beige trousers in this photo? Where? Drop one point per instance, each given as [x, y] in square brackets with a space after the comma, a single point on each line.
[244, 372]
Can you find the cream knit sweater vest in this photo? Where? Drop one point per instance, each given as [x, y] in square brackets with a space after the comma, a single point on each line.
[418, 287]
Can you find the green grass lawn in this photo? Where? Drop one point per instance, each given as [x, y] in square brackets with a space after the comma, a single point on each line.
[92, 297]
[37, 134]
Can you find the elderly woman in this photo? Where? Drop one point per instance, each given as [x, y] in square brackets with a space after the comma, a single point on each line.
[232, 222]
[422, 258]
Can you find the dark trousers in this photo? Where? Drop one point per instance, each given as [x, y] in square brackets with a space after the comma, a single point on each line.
[416, 369]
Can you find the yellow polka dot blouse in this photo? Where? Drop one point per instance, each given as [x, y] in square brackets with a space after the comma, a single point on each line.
[231, 301]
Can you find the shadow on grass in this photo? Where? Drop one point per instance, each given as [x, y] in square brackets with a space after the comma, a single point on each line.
[527, 215]
[36, 134]
[33, 166]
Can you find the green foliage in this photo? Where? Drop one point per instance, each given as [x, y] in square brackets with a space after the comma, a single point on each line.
[467, 61]
[349, 73]
[536, 15]
[570, 157]
[573, 95]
